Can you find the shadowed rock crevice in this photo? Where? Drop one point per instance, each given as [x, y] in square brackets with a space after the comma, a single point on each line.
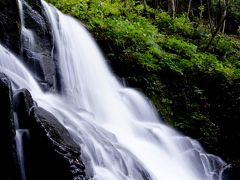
[8, 156]
[10, 26]
[22, 104]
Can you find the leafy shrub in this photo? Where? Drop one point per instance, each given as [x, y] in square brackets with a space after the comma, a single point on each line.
[183, 26]
[163, 20]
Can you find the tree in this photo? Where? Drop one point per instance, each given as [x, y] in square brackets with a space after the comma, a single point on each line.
[224, 5]
[172, 7]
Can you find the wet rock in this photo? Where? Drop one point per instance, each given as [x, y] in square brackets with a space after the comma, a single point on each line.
[10, 26]
[8, 156]
[34, 43]
[49, 151]
[22, 104]
[54, 154]
[39, 56]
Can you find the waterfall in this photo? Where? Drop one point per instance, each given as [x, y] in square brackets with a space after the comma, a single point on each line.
[20, 151]
[117, 128]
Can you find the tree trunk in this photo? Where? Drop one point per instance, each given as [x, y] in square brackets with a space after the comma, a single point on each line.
[223, 27]
[201, 11]
[189, 8]
[224, 14]
[210, 16]
[172, 7]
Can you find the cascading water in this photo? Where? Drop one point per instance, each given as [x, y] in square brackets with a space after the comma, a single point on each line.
[27, 36]
[20, 151]
[117, 129]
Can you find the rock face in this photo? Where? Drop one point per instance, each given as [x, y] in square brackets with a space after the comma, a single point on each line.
[22, 104]
[8, 156]
[10, 26]
[54, 154]
[39, 56]
[49, 151]
[25, 30]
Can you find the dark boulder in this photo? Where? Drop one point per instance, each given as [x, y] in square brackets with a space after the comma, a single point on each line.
[54, 155]
[22, 104]
[8, 156]
[49, 151]
[10, 25]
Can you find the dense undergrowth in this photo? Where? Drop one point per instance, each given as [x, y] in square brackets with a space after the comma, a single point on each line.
[196, 89]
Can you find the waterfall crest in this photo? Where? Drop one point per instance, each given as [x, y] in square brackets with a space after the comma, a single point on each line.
[117, 128]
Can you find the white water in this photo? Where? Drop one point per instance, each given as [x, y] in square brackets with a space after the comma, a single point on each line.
[119, 132]
[20, 151]
[27, 36]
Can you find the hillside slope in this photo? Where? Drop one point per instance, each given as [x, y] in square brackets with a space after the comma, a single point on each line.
[195, 87]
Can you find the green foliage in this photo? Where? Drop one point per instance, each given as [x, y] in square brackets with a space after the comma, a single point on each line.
[224, 46]
[179, 25]
[180, 47]
[183, 26]
[163, 20]
[194, 90]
